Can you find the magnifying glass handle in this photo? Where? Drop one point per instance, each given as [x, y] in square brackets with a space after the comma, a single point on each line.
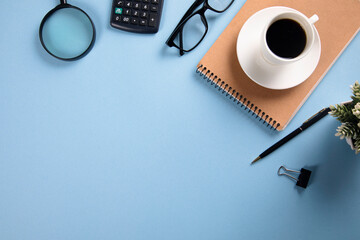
[63, 2]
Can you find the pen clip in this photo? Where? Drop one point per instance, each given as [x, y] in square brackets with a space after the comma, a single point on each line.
[322, 110]
[326, 109]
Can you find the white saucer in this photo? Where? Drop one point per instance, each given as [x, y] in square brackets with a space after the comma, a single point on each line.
[264, 73]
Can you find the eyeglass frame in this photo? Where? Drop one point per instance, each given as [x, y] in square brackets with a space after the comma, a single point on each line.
[188, 15]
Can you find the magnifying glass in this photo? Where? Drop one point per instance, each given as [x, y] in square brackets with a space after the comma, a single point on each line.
[67, 32]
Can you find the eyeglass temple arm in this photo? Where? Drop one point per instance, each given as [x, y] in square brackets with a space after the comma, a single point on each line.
[181, 41]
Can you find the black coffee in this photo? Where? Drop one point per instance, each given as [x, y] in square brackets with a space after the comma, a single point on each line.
[286, 38]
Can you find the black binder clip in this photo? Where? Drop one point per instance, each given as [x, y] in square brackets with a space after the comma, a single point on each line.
[302, 180]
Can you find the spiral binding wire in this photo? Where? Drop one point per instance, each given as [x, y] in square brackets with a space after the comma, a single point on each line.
[235, 96]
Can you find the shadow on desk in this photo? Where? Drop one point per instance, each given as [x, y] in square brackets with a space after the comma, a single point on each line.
[338, 169]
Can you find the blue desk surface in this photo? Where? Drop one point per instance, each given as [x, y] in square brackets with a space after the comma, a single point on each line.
[129, 143]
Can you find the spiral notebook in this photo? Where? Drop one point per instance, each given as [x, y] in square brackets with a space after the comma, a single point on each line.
[338, 25]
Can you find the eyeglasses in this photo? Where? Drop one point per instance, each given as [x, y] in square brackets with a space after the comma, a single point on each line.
[193, 26]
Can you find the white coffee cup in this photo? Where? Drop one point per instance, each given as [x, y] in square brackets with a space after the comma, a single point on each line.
[307, 25]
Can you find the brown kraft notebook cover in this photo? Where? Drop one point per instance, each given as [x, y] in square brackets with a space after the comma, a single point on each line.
[338, 25]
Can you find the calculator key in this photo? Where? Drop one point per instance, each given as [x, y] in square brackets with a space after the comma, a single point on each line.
[136, 6]
[135, 13]
[154, 8]
[118, 11]
[134, 21]
[145, 7]
[128, 4]
[146, 1]
[143, 22]
[143, 14]
[117, 18]
[120, 3]
[155, 1]
[126, 20]
[127, 12]
[152, 20]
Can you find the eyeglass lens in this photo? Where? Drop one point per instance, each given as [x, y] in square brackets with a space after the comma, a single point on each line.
[192, 33]
[219, 5]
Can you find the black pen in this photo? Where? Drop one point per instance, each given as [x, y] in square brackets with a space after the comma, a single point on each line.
[319, 115]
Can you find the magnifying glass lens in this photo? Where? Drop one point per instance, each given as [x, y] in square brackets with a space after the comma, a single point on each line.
[67, 33]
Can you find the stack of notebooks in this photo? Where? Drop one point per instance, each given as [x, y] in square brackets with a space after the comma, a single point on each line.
[338, 25]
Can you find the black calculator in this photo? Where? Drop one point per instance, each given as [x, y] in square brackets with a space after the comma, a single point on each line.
[141, 16]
